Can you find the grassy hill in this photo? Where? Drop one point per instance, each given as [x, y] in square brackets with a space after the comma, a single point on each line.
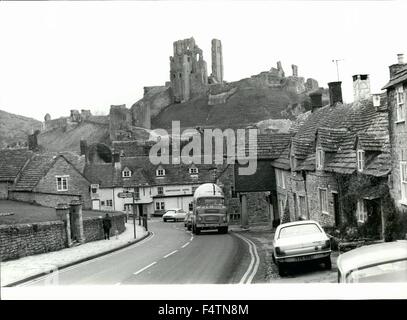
[14, 128]
[59, 140]
[252, 102]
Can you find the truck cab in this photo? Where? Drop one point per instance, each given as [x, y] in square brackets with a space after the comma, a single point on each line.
[209, 210]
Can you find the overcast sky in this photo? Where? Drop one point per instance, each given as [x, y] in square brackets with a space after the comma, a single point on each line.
[57, 56]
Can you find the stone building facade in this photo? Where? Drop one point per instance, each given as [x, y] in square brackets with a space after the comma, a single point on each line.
[397, 104]
[48, 180]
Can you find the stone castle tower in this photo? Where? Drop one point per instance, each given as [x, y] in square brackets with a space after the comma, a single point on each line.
[188, 71]
[217, 61]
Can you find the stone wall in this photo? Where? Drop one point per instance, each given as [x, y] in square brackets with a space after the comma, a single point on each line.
[93, 228]
[398, 134]
[46, 200]
[22, 240]
[258, 208]
[3, 190]
[77, 184]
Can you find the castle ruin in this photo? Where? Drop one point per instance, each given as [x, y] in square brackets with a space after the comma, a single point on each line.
[217, 62]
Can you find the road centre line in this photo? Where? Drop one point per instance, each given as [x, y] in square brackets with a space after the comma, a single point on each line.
[145, 268]
[185, 245]
[152, 234]
[171, 253]
[254, 263]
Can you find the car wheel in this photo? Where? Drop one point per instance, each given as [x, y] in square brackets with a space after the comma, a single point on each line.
[189, 227]
[328, 263]
[197, 230]
[165, 220]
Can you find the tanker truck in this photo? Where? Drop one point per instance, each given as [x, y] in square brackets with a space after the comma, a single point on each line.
[209, 210]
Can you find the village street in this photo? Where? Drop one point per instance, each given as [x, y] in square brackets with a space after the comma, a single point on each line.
[172, 255]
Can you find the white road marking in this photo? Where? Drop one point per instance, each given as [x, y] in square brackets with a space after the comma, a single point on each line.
[145, 268]
[89, 261]
[254, 262]
[167, 255]
[185, 245]
[117, 284]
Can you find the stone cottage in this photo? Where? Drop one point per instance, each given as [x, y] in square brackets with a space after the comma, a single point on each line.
[337, 148]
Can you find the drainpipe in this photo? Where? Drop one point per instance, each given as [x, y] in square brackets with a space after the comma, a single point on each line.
[304, 177]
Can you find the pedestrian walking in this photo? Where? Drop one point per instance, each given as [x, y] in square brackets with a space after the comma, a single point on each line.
[107, 224]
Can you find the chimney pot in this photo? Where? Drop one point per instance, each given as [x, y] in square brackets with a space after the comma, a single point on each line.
[361, 87]
[335, 92]
[400, 58]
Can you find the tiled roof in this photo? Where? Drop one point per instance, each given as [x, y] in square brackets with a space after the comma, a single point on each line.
[268, 146]
[143, 172]
[12, 161]
[337, 130]
[34, 171]
[399, 77]
[131, 148]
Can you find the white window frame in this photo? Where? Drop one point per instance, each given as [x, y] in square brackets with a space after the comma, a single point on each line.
[400, 104]
[321, 204]
[162, 205]
[160, 172]
[157, 206]
[361, 212]
[109, 203]
[360, 155]
[126, 173]
[158, 190]
[193, 170]
[320, 158]
[60, 186]
[403, 181]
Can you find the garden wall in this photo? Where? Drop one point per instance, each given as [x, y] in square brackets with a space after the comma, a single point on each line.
[20, 240]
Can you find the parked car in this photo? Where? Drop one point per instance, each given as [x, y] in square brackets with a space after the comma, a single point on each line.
[300, 241]
[174, 215]
[188, 220]
[383, 262]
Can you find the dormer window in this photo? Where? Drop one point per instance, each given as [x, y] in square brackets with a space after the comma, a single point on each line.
[126, 173]
[400, 107]
[361, 160]
[160, 172]
[193, 170]
[320, 158]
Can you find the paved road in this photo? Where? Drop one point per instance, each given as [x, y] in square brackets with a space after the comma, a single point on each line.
[171, 255]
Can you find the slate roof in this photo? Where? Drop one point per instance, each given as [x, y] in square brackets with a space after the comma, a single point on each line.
[34, 171]
[37, 168]
[12, 161]
[338, 131]
[399, 77]
[144, 173]
[268, 146]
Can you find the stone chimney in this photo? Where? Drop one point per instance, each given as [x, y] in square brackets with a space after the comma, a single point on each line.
[316, 100]
[361, 87]
[335, 93]
[394, 68]
[376, 100]
[116, 160]
[33, 141]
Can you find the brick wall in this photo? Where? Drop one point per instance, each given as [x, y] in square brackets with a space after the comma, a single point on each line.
[22, 240]
[46, 200]
[3, 190]
[77, 184]
[93, 228]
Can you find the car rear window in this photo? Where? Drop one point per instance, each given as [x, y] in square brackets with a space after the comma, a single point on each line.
[299, 230]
